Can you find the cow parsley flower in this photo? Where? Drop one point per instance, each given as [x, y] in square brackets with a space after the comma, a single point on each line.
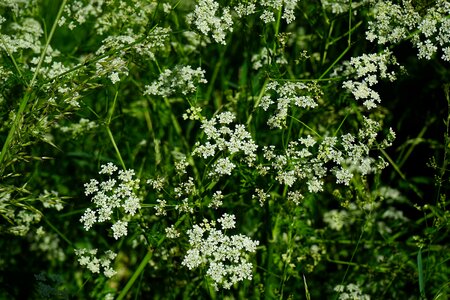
[88, 258]
[288, 94]
[181, 79]
[223, 256]
[211, 19]
[119, 229]
[112, 195]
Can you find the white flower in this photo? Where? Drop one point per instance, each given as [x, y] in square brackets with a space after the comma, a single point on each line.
[88, 219]
[108, 169]
[208, 21]
[227, 221]
[223, 166]
[172, 232]
[182, 79]
[88, 258]
[119, 229]
[224, 256]
[114, 77]
[216, 201]
[131, 205]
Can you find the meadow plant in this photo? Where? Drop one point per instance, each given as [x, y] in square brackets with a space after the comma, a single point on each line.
[209, 149]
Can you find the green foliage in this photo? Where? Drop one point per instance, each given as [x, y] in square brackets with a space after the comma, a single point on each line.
[224, 149]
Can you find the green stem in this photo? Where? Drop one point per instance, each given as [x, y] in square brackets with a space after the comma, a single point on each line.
[143, 263]
[111, 137]
[335, 62]
[58, 232]
[258, 100]
[138, 272]
[11, 56]
[277, 29]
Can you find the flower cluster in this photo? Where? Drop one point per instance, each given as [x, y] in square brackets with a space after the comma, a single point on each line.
[311, 159]
[47, 243]
[223, 255]
[429, 30]
[205, 18]
[303, 95]
[76, 129]
[269, 6]
[88, 258]
[181, 79]
[367, 70]
[210, 19]
[110, 195]
[342, 6]
[350, 291]
[220, 137]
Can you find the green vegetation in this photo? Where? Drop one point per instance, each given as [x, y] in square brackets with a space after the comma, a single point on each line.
[248, 149]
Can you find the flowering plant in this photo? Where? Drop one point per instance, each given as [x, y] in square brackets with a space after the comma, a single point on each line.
[224, 149]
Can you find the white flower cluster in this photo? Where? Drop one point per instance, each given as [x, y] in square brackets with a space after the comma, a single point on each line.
[430, 30]
[205, 18]
[181, 79]
[261, 196]
[77, 129]
[289, 93]
[76, 13]
[367, 69]
[275, 5]
[217, 200]
[336, 219]
[87, 257]
[220, 137]
[111, 195]
[48, 243]
[312, 160]
[342, 6]
[24, 36]
[350, 292]
[51, 200]
[224, 256]
[215, 21]
[104, 18]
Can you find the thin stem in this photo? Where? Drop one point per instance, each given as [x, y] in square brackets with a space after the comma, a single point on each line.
[11, 56]
[138, 271]
[111, 136]
[144, 262]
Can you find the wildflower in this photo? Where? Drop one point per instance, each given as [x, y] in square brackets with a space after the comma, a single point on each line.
[224, 256]
[206, 17]
[223, 166]
[88, 219]
[114, 194]
[172, 232]
[119, 229]
[227, 221]
[87, 257]
[160, 207]
[216, 201]
[181, 79]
